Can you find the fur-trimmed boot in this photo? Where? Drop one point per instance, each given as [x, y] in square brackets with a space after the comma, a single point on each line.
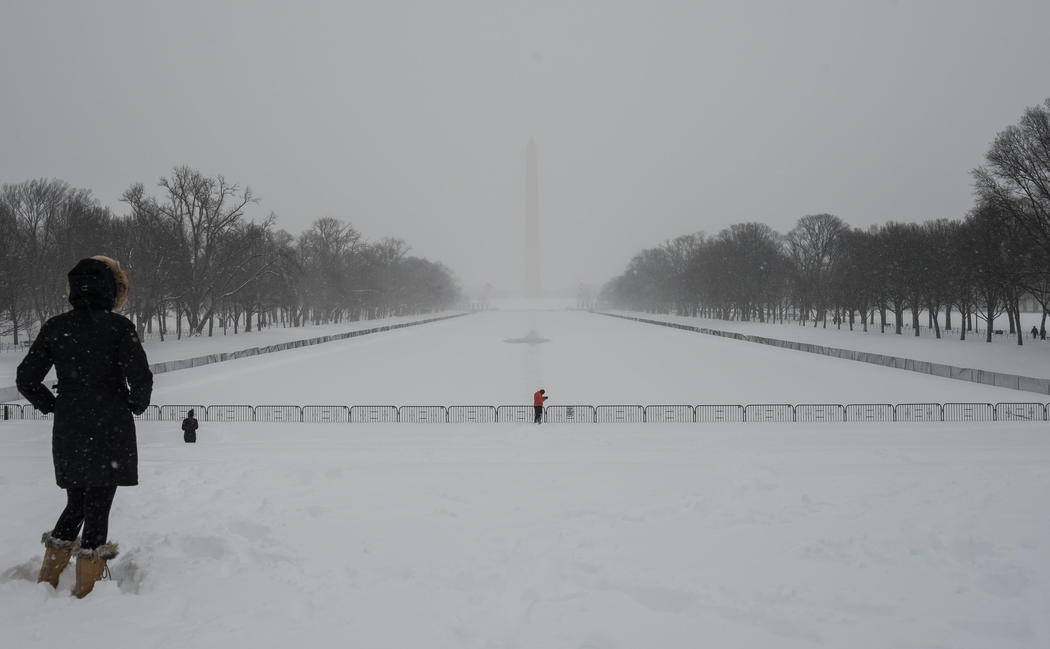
[56, 557]
[91, 567]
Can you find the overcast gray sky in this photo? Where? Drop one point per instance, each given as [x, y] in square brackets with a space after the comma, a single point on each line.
[411, 119]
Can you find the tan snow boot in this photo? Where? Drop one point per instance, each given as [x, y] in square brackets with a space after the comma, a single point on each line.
[56, 558]
[91, 567]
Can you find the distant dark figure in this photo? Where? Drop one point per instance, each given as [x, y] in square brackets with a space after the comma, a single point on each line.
[537, 404]
[103, 379]
[189, 428]
[1035, 332]
[1042, 334]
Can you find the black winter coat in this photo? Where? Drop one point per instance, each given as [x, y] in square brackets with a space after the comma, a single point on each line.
[189, 430]
[96, 355]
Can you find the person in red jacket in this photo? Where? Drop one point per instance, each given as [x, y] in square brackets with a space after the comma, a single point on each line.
[537, 404]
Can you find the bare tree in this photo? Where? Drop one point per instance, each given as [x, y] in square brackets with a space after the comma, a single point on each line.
[854, 276]
[987, 232]
[813, 244]
[206, 212]
[327, 255]
[679, 252]
[54, 225]
[13, 270]
[1016, 177]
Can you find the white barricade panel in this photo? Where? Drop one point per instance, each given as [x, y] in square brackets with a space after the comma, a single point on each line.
[718, 413]
[619, 414]
[869, 412]
[230, 413]
[769, 412]
[919, 412]
[152, 413]
[472, 414]
[1020, 412]
[569, 414]
[515, 414]
[178, 413]
[422, 414]
[278, 413]
[326, 414]
[9, 411]
[670, 414]
[373, 414]
[969, 412]
[819, 412]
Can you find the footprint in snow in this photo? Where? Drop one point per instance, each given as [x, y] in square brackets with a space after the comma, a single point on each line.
[26, 571]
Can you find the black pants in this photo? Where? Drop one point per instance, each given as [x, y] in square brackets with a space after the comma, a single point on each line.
[539, 413]
[90, 507]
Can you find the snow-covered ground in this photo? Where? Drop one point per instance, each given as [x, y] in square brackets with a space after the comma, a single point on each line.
[1003, 354]
[580, 535]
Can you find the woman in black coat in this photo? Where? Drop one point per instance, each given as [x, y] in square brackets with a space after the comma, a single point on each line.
[189, 428]
[103, 377]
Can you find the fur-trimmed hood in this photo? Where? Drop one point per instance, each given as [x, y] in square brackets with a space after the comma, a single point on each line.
[97, 282]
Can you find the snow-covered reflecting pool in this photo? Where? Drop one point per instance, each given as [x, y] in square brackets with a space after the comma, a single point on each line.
[587, 359]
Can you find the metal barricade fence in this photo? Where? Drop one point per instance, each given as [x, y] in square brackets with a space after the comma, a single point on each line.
[918, 412]
[151, 413]
[472, 414]
[230, 413]
[870, 412]
[1020, 412]
[373, 414]
[422, 414]
[31, 413]
[278, 413]
[326, 414]
[968, 412]
[670, 414]
[178, 413]
[703, 413]
[719, 413]
[619, 414]
[515, 414]
[10, 411]
[569, 414]
[763, 412]
[819, 412]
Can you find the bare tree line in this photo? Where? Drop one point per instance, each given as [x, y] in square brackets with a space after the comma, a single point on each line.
[980, 266]
[198, 263]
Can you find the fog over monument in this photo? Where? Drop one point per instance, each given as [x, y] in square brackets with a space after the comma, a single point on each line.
[533, 284]
[408, 120]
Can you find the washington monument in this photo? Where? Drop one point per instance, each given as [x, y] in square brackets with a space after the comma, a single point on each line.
[532, 225]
